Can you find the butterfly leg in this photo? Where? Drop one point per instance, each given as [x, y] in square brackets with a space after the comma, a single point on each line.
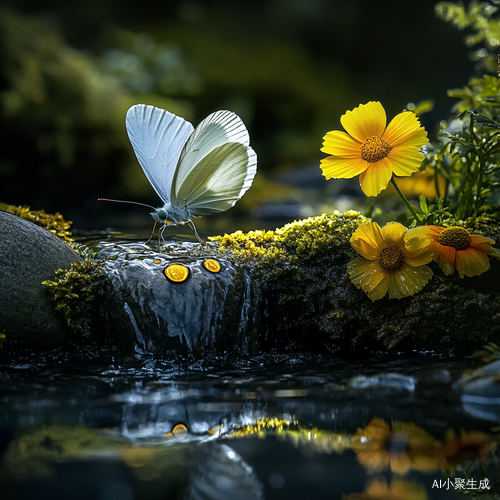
[161, 231]
[193, 227]
[152, 232]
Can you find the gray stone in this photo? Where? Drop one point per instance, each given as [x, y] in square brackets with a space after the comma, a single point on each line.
[28, 256]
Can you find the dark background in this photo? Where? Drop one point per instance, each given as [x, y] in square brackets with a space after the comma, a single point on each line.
[290, 68]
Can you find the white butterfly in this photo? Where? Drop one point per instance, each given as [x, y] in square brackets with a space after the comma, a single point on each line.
[194, 171]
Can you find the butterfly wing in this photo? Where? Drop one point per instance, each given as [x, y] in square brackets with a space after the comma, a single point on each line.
[157, 137]
[216, 166]
[218, 180]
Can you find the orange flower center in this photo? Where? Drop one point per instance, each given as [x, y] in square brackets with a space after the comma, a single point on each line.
[375, 149]
[391, 258]
[456, 237]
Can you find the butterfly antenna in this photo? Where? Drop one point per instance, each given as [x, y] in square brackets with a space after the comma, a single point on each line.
[123, 201]
[193, 227]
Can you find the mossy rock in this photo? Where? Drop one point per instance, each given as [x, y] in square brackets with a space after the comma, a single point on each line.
[304, 296]
[28, 256]
[311, 304]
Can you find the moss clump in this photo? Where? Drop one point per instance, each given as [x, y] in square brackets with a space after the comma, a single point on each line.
[76, 292]
[487, 223]
[55, 224]
[310, 303]
[445, 313]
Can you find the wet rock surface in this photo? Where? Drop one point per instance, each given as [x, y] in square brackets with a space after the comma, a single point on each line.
[28, 256]
[169, 302]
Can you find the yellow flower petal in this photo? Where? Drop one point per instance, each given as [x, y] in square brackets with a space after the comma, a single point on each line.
[393, 234]
[365, 121]
[368, 240]
[342, 168]
[402, 126]
[339, 143]
[408, 280]
[416, 139]
[416, 239]
[405, 161]
[400, 463]
[376, 177]
[394, 287]
[365, 274]
[431, 231]
[482, 243]
[446, 267]
[418, 250]
[380, 290]
[418, 258]
[415, 278]
[471, 262]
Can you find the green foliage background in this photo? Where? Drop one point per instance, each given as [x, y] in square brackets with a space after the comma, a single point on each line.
[69, 71]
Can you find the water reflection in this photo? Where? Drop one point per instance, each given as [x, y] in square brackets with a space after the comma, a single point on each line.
[251, 433]
[220, 473]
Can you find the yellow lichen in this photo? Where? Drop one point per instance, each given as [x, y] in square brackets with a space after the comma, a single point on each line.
[55, 224]
[75, 293]
[298, 238]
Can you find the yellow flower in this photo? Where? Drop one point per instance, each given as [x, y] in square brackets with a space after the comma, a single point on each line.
[422, 183]
[392, 260]
[372, 150]
[465, 446]
[404, 447]
[455, 248]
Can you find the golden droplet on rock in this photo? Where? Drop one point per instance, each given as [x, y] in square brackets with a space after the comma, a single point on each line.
[215, 429]
[178, 431]
[177, 273]
[211, 265]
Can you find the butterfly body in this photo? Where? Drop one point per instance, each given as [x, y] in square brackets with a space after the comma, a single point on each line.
[194, 171]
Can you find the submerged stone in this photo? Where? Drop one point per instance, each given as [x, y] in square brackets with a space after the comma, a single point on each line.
[480, 391]
[167, 303]
[28, 256]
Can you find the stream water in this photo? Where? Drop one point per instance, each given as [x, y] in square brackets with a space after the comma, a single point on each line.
[374, 427]
[304, 428]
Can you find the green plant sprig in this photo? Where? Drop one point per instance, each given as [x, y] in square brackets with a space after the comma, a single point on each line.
[473, 164]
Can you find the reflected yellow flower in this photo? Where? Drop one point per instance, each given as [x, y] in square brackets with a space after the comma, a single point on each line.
[373, 150]
[398, 490]
[401, 448]
[455, 248]
[467, 445]
[392, 260]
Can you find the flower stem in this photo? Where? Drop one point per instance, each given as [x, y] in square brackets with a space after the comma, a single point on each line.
[410, 207]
